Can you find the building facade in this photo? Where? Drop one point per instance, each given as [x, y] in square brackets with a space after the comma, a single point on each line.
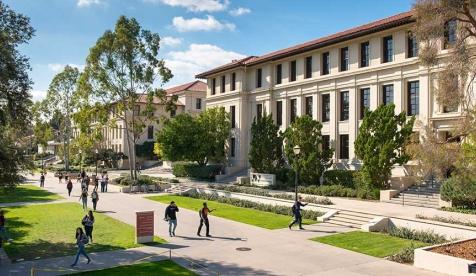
[332, 79]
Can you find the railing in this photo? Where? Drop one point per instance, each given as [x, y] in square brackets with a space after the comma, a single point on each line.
[168, 253]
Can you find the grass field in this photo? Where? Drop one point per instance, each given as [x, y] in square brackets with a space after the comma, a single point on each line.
[245, 215]
[373, 244]
[47, 230]
[166, 267]
[27, 193]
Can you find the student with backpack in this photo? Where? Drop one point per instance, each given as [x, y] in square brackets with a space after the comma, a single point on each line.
[171, 217]
[42, 180]
[95, 198]
[84, 198]
[81, 241]
[69, 186]
[88, 223]
[297, 213]
[204, 219]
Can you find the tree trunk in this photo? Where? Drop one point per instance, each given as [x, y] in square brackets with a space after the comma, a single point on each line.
[128, 137]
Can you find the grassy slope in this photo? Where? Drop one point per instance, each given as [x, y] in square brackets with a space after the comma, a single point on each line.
[245, 215]
[47, 230]
[153, 268]
[27, 193]
[374, 244]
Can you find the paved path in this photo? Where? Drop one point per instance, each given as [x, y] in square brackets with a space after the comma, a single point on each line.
[277, 252]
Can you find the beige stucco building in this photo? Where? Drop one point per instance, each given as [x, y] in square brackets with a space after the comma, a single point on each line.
[331, 79]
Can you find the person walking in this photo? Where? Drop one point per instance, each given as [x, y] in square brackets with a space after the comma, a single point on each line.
[88, 223]
[81, 241]
[69, 186]
[84, 198]
[60, 177]
[204, 219]
[171, 217]
[103, 185]
[95, 198]
[83, 174]
[42, 180]
[297, 213]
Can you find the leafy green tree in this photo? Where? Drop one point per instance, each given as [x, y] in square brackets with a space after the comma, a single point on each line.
[266, 154]
[62, 100]
[121, 73]
[380, 144]
[215, 122]
[312, 160]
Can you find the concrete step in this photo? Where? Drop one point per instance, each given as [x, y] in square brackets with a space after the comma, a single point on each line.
[434, 206]
[415, 196]
[356, 226]
[357, 214]
[415, 199]
[352, 217]
[347, 221]
[422, 194]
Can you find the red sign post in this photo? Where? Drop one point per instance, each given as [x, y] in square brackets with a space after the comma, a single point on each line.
[144, 227]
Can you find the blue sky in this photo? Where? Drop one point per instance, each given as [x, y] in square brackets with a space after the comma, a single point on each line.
[197, 34]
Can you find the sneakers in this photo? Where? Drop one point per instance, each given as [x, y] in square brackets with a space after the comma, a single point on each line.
[173, 233]
[300, 228]
[198, 234]
[289, 226]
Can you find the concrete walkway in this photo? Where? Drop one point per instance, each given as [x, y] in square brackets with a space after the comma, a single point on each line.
[277, 252]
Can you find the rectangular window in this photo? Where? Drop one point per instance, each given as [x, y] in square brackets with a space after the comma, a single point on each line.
[344, 59]
[137, 110]
[279, 74]
[222, 85]
[233, 116]
[259, 111]
[326, 107]
[387, 96]
[412, 45]
[214, 84]
[344, 146]
[279, 113]
[308, 67]
[198, 104]
[309, 106]
[413, 98]
[293, 110]
[326, 142]
[344, 105]
[173, 112]
[450, 33]
[326, 63]
[150, 132]
[365, 54]
[232, 147]
[233, 81]
[293, 72]
[388, 49]
[364, 101]
[259, 75]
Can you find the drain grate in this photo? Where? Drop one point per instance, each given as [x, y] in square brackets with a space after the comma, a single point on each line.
[243, 249]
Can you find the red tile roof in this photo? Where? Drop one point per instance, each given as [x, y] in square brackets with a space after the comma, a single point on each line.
[379, 25]
[192, 86]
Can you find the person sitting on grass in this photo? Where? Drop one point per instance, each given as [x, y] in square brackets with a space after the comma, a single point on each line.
[81, 241]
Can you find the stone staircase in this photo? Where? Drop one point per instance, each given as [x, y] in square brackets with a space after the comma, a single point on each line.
[350, 219]
[425, 195]
[178, 189]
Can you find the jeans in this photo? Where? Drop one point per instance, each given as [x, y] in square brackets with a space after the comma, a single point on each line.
[42, 183]
[95, 202]
[207, 225]
[297, 219]
[89, 232]
[103, 187]
[172, 222]
[80, 251]
[85, 203]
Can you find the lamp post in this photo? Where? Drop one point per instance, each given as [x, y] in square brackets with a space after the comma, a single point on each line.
[80, 161]
[297, 151]
[97, 153]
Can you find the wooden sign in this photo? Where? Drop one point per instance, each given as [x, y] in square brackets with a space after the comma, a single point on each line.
[144, 227]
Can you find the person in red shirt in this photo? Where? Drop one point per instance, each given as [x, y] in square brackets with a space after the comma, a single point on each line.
[204, 219]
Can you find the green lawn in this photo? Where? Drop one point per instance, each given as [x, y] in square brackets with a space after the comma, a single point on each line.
[27, 193]
[373, 244]
[47, 230]
[245, 215]
[166, 267]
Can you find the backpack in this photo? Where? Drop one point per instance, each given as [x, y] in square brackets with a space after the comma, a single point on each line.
[294, 208]
[94, 195]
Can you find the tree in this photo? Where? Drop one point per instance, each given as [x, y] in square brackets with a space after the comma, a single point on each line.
[381, 142]
[62, 100]
[121, 71]
[216, 125]
[15, 100]
[266, 154]
[312, 160]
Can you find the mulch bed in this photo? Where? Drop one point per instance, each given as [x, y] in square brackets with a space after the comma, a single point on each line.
[464, 250]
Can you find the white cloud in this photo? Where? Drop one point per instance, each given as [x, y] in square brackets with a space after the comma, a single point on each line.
[240, 11]
[196, 5]
[170, 41]
[196, 59]
[200, 24]
[38, 95]
[57, 67]
[86, 3]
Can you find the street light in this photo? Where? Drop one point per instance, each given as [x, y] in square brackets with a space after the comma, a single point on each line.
[80, 161]
[97, 152]
[297, 151]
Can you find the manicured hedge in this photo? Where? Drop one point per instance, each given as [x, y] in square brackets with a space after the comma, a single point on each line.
[193, 170]
[340, 177]
[328, 190]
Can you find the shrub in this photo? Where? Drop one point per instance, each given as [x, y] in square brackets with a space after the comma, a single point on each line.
[448, 220]
[339, 177]
[146, 150]
[125, 180]
[405, 256]
[459, 210]
[417, 235]
[328, 190]
[193, 170]
[460, 189]
[364, 187]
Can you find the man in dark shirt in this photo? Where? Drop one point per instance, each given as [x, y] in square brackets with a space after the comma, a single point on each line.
[171, 217]
[42, 180]
[204, 219]
[297, 213]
